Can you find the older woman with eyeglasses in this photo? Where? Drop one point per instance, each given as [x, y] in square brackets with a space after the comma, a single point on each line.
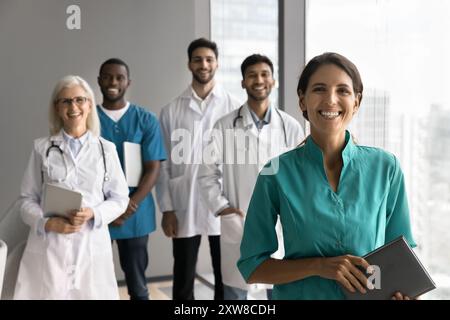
[69, 255]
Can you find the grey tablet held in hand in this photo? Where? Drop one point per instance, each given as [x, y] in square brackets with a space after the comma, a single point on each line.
[397, 268]
[60, 201]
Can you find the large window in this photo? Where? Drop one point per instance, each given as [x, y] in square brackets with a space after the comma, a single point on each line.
[240, 29]
[402, 49]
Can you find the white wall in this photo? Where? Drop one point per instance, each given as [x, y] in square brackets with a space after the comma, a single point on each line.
[37, 49]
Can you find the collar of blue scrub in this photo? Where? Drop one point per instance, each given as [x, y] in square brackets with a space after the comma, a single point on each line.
[315, 152]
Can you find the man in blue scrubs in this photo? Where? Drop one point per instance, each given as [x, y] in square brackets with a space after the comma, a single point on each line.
[120, 122]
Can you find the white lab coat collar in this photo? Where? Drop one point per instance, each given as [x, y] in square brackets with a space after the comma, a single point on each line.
[248, 123]
[60, 138]
[60, 141]
[216, 92]
[247, 120]
[67, 137]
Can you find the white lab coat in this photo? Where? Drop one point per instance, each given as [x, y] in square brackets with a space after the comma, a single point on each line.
[185, 128]
[77, 265]
[230, 183]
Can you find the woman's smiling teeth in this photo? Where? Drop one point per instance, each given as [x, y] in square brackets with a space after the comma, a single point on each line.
[330, 114]
[74, 114]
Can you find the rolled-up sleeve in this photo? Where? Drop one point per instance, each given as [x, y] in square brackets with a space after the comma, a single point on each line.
[398, 219]
[163, 195]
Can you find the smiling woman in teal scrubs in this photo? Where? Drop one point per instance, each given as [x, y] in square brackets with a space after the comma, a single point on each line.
[336, 200]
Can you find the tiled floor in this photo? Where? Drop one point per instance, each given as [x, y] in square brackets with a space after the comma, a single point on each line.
[163, 291]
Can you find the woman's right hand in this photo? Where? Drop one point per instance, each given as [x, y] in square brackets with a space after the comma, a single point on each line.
[61, 225]
[343, 269]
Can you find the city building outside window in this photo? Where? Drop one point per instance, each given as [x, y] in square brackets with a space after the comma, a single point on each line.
[402, 50]
[241, 28]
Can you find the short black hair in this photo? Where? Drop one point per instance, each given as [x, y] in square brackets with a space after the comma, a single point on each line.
[115, 61]
[202, 43]
[255, 59]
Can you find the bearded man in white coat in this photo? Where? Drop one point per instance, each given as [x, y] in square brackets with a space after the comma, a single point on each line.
[242, 143]
[185, 123]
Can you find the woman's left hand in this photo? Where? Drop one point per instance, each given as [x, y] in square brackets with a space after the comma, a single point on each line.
[78, 218]
[400, 296]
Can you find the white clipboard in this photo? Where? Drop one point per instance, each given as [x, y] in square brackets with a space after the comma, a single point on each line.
[132, 158]
[60, 201]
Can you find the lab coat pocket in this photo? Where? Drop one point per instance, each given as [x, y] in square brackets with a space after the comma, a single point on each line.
[101, 255]
[179, 190]
[31, 277]
[232, 227]
[102, 285]
[55, 169]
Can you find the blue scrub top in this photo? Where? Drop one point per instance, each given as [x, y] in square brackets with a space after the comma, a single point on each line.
[368, 210]
[139, 126]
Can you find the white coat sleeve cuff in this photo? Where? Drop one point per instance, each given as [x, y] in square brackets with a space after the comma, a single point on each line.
[165, 205]
[97, 220]
[163, 196]
[219, 206]
[40, 227]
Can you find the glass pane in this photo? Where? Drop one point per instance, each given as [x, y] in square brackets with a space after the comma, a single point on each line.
[240, 29]
[402, 49]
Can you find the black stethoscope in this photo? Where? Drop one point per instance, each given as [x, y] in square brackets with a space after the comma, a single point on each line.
[58, 148]
[239, 116]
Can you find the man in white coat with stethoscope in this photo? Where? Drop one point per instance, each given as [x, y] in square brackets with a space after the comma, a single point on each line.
[186, 123]
[242, 143]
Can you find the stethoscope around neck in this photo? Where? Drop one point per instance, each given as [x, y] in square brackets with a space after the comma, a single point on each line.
[56, 147]
[239, 116]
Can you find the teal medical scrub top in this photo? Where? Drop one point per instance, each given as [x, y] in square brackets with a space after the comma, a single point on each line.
[139, 126]
[368, 210]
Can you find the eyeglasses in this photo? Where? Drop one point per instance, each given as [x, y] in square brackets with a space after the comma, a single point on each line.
[67, 102]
